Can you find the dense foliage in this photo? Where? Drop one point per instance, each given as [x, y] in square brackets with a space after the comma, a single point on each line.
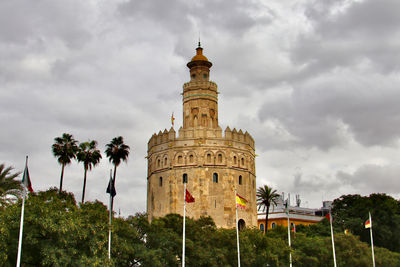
[10, 187]
[351, 211]
[60, 232]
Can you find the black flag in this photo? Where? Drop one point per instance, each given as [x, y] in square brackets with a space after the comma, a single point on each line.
[111, 187]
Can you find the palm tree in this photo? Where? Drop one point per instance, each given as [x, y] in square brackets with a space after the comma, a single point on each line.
[8, 185]
[116, 152]
[90, 156]
[64, 149]
[265, 197]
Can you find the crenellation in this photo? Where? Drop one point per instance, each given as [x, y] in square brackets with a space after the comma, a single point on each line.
[171, 134]
[240, 136]
[164, 136]
[235, 135]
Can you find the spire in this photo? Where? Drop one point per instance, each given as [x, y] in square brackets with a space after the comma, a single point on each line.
[199, 40]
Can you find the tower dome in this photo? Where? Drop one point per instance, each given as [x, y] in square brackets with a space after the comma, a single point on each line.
[199, 59]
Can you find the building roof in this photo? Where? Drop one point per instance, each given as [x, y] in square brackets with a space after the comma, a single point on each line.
[297, 216]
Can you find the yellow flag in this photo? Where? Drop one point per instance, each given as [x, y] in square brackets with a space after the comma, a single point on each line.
[172, 119]
[241, 201]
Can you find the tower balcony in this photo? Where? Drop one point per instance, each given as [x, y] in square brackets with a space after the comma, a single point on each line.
[195, 85]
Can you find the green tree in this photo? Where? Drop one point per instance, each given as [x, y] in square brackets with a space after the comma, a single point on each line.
[58, 232]
[265, 198]
[116, 152]
[351, 212]
[319, 229]
[64, 149]
[9, 186]
[90, 156]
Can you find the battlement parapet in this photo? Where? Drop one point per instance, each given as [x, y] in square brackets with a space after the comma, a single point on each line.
[239, 136]
[162, 137]
[230, 135]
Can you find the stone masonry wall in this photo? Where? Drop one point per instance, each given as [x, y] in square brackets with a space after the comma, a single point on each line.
[201, 153]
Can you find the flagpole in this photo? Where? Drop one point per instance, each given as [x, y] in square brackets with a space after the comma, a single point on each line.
[237, 230]
[109, 230]
[109, 222]
[333, 241]
[184, 224]
[21, 230]
[22, 220]
[372, 240]
[288, 225]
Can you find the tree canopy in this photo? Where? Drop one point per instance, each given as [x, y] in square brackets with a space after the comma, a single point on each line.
[90, 156]
[60, 232]
[266, 196]
[64, 149]
[351, 211]
[9, 186]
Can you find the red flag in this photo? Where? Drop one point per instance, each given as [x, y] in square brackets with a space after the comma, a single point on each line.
[189, 198]
[328, 216]
[294, 230]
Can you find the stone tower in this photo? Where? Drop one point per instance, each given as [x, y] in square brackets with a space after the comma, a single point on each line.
[215, 164]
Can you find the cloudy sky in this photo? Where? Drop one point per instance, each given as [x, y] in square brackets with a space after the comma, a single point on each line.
[315, 82]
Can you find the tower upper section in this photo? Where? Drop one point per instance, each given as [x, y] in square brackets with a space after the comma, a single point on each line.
[200, 95]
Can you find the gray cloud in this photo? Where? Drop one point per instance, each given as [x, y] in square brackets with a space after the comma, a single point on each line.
[372, 178]
[313, 183]
[328, 111]
[26, 21]
[177, 16]
[366, 31]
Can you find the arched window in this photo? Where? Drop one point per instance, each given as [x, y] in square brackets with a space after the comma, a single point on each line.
[240, 179]
[165, 161]
[180, 159]
[262, 227]
[160, 181]
[242, 162]
[219, 158]
[215, 178]
[234, 160]
[273, 225]
[191, 158]
[184, 178]
[208, 157]
[158, 163]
